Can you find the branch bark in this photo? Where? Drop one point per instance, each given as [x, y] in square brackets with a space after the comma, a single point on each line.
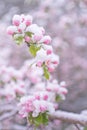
[71, 117]
[8, 115]
[61, 115]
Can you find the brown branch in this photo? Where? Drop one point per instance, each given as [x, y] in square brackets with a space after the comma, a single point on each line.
[61, 115]
[8, 115]
[70, 117]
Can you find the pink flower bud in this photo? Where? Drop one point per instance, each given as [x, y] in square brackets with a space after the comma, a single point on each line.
[48, 89]
[37, 37]
[43, 30]
[37, 97]
[51, 69]
[46, 39]
[28, 20]
[43, 108]
[16, 20]
[55, 62]
[63, 90]
[39, 63]
[49, 52]
[11, 30]
[22, 17]
[27, 39]
[63, 84]
[45, 97]
[19, 30]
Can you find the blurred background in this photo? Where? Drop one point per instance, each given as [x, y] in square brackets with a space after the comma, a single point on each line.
[66, 22]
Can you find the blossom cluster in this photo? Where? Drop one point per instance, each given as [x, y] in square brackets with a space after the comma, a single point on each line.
[23, 30]
[42, 101]
[31, 104]
[40, 98]
[45, 94]
[43, 97]
[15, 82]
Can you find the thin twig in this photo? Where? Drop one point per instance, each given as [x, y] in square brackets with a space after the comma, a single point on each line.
[76, 125]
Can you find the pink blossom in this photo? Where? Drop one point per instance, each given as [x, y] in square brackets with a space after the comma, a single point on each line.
[45, 97]
[16, 20]
[39, 63]
[49, 52]
[11, 30]
[28, 20]
[43, 30]
[22, 17]
[37, 37]
[63, 90]
[51, 69]
[27, 39]
[21, 27]
[46, 40]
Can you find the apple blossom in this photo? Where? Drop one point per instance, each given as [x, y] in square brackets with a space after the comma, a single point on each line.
[11, 30]
[37, 104]
[27, 39]
[21, 27]
[28, 20]
[46, 40]
[43, 30]
[16, 20]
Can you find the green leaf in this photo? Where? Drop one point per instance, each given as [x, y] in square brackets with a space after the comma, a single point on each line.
[18, 39]
[29, 34]
[58, 98]
[41, 119]
[46, 72]
[45, 118]
[33, 49]
[38, 120]
[30, 118]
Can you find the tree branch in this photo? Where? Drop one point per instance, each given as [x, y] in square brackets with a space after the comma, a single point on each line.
[8, 115]
[61, 115]
[71, 117]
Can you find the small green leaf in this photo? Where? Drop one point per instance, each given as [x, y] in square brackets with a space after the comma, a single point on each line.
[38, 120]
[41, 119]
[33, 49]
[46, 72]
[18, 39]
[45, 118]
[58, 98]
[29, 34]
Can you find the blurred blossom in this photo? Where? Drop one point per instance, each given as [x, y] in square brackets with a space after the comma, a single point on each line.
[66, 22]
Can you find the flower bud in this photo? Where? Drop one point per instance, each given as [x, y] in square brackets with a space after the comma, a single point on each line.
[28, 20]
[27, 39]
[37, 37]
[16, 20]
[46, 39]
[39, 63]
[11, 30]
[49, 52]
[42, 30]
